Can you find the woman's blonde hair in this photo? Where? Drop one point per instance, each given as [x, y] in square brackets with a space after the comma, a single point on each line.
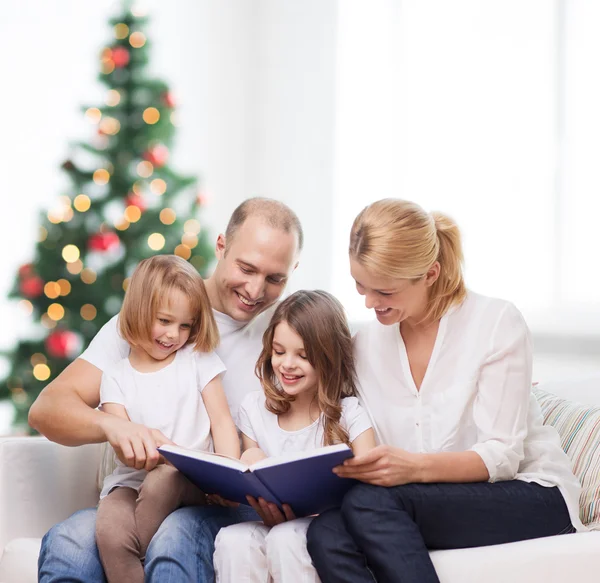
[397, 239]
[319, 319]
[151, 284]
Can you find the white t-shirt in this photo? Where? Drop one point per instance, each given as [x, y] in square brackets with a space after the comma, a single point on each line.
[262, 426]
[476, 395]
[169, 399]
[239, 349]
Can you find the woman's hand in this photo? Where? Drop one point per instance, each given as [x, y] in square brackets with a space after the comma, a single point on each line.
[383, 466]
[270, 514]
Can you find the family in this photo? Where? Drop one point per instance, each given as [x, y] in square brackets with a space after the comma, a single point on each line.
[433, 396]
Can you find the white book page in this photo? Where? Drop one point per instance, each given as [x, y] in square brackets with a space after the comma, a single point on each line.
[219, 460]
[298, 455]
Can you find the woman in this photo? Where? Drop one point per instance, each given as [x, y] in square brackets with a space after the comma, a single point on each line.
[445, 375]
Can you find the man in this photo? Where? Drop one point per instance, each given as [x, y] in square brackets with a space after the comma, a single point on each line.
[255, 258]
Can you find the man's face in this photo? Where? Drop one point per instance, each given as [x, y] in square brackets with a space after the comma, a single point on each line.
[252, 273]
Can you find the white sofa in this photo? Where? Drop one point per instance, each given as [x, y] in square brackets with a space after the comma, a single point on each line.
[42, 483]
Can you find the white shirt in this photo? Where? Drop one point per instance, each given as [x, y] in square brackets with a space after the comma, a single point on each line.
[169, 399]
[239, 349]
[262, 426]
[476, 395]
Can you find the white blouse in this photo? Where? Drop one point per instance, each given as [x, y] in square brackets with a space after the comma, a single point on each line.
[476, 395]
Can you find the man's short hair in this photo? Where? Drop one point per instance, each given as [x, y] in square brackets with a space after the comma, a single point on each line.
[273, 212]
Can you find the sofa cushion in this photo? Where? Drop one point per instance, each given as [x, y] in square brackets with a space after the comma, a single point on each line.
[579, 429]
[19, 561]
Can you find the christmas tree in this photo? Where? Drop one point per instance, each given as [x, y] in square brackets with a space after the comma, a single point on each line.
[124, 203]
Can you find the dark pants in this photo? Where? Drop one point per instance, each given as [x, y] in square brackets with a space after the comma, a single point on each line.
[383, 534]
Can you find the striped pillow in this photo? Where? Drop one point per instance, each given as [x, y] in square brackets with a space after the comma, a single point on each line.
[579, 429]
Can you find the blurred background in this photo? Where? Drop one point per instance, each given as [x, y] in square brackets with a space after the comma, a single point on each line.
[485, 109]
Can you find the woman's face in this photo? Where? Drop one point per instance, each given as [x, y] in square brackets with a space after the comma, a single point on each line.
[394, 300]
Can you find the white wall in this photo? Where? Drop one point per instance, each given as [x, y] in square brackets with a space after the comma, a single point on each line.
[257, 82]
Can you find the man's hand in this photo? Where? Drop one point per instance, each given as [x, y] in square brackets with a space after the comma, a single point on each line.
[269, 512]
[383, 466]
[134, 444]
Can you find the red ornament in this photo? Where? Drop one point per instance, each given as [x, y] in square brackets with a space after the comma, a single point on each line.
[104, 241]
[157, 155]
[62, 344]
[25, 270]
[168, 99]
[32, 287]
[120, 57]
[133, 199]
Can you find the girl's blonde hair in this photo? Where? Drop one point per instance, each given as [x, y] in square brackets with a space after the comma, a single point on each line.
[397, 239]
[319, 319]
[151, 284]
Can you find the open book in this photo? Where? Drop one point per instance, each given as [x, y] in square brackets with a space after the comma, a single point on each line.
[303, 480]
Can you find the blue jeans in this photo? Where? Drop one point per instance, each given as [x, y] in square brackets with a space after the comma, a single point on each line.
[181, 551]
[383, 534]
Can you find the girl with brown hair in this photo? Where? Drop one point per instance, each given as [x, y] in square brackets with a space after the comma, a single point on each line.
[307, 372]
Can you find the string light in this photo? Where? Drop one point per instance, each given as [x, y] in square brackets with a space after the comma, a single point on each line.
[82, 203]
[145, 169]
[151, 115]
[70, 253]
[110, 126]
[101, 176]
[122, 224]
[18, 395]
[47, 322]
[88, 312]
[183, 251]
[107, 67]
[137, 40]
[121, 30]
[167, 216]
[138, 188]
[88, 276]
[158, 186]
[56, 312]
[113, 97]
[37, 358]
[55, 216]
[133, 214]
[42, 234]
[156, 241]
[174, 118]
[75, 267]
[192, 226]
[27, 306]
[126, 283]
[93, 115]
[41, 372]
[67, 214]
[52, 290]
[65, 287]
[189, 240]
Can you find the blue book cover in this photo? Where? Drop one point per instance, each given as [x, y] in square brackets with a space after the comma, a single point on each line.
[303, 480]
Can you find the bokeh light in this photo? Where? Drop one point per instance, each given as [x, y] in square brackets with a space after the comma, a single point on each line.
[183, 251]
[101, 177]
[133, 214]
[27, 306]
[88, 276]
[37, 358]
[189, 240]
[167, 216]
[41, 372]
[70, 253]
[65, 287]
[137, 39]
[56, 312]
[112, 98]
[192, 226]
[156, 241]
[151, 115]
[75, 267]
[121, 30]
[52, 290]
[93, 115]
[158, 186]
[145, 169]
[82, 203]
[88, 312]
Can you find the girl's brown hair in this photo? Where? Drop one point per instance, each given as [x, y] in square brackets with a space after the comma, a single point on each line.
[319, 319]
[151, 283]
[398, 239]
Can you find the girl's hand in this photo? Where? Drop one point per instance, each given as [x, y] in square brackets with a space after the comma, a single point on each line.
[383, 466]
[270, 513]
